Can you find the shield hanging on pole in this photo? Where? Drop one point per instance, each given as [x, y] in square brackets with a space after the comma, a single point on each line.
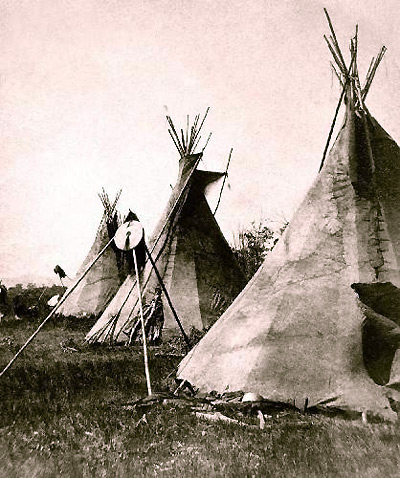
[129, 235]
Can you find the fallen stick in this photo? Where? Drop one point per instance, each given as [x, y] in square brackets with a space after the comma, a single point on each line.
[261, 418]
[218, 417]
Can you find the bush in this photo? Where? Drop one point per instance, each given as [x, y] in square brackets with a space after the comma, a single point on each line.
[253, 243]
[31, 301]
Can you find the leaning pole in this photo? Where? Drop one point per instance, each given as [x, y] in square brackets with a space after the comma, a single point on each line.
[63, 299]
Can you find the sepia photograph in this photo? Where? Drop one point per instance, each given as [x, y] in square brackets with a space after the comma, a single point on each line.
[200, 238]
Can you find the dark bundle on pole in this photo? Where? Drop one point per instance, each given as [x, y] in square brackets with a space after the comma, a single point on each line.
[61, 273]
[187, 142]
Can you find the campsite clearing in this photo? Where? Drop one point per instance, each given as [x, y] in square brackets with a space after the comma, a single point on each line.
[69, 413]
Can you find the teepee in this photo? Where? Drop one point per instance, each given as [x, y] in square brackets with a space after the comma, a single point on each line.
[103, 280]
[318, 323]
[196, 264]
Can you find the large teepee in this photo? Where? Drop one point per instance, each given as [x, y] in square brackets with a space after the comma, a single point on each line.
[318, 323]
[103, 280]
[193, 258]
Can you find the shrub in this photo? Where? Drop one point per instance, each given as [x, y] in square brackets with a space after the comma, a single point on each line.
[253, 243]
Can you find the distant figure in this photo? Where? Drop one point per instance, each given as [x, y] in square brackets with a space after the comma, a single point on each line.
[3, 295]
[4, 305]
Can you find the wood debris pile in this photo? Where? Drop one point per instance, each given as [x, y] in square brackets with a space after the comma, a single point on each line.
[227, 407]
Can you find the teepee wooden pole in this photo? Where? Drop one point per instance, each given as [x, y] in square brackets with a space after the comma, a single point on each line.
[187, 133]
[201, 124]
[371, 72]
[180, 151]
[63, 299]
[346, 82]
[196, 144]
[333, 126]
[334, 39]
[208, 139]
[223, 182]
[146, 361]
[337, 74]
[335, 56]
[164, 289]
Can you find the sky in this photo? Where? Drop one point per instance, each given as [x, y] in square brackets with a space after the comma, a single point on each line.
[85, 86]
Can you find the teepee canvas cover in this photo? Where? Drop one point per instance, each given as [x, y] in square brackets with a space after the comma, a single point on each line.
[103, 280]
[299, 331]
[193, 258]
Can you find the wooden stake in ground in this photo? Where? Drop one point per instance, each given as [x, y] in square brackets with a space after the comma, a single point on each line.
[129, 236]
[146, 361]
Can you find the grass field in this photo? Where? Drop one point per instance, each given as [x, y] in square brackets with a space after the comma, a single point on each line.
[70, 413]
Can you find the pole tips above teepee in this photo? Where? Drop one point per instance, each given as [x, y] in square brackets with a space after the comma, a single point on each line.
[187, 142]
[349, 76]
[109, 207]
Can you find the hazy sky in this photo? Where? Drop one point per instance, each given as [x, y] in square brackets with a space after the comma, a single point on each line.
[83, 90]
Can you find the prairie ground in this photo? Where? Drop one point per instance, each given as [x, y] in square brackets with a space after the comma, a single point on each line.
[69, 410]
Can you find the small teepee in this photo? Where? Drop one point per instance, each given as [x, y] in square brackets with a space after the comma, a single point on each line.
[319, 322]
[103, 280]
[194, 260]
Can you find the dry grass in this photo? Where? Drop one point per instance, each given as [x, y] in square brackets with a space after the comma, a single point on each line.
[65, 414]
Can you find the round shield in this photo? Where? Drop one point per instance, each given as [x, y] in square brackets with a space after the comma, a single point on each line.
[128, 235]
